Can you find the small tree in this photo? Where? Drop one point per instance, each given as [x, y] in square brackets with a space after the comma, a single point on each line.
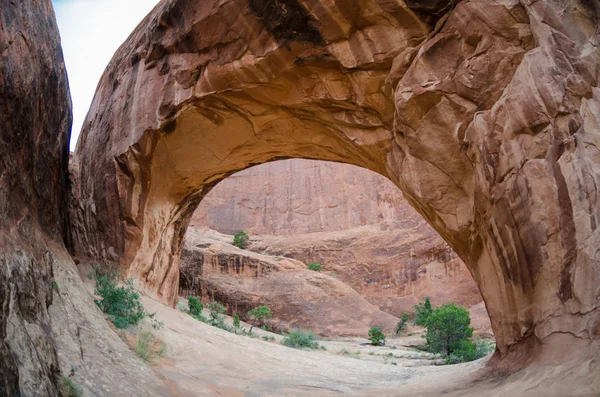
[195, 305]
[216, 313]
[258, 315]
[422, 311]
[402, 323]
[448, 329]
[236, 321]
[376, 336]
[240, 240]
[316, 266]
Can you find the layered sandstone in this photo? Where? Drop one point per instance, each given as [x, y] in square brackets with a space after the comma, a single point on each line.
[352, 221]
[298, 298]
[484, 113]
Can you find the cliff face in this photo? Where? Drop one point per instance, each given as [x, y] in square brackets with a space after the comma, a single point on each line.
[302, 196]
[352, 221]
[35, 114]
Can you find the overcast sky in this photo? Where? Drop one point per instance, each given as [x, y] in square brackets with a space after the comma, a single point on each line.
[91, 31]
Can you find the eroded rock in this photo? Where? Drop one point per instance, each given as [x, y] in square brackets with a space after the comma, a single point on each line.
[33, 193]
[487, 121]
[298, 298]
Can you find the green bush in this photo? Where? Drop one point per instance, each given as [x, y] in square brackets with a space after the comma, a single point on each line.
[376, 336]
[69, 388]
[316, 266]
[236, 321]
[448, 330]
[258, 315]
[216, 314]
[122, 304]
[195, 305]
[422, 312]
[240, 240]
[402, 324]
[298, 338]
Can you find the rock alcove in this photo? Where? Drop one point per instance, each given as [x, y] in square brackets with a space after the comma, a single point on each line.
[484, 115]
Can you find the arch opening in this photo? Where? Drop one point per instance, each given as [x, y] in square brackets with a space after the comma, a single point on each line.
[429, 104]
[354, 223]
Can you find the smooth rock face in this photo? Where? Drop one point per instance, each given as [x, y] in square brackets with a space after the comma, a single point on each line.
[213, 269]
[303, 196]
[487, 121]
[35, 119]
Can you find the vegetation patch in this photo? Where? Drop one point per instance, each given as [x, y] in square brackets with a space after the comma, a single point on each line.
[316, 266]
[241, 239]
[422, 312]
[122, 303]
[376, 336]
[148, 347]
[402, 324]
[69, 388]
[259, 315]
[299, 339]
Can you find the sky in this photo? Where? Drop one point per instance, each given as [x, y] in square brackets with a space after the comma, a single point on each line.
[91, 31]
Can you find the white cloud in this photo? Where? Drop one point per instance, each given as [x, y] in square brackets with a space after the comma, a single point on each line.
[91, 31]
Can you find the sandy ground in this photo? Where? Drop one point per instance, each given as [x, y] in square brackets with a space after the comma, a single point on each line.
[203, 360]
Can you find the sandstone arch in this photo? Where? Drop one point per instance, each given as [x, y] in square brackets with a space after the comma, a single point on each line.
[485, 114]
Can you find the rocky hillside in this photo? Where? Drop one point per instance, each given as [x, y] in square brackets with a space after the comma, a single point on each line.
[298, 298]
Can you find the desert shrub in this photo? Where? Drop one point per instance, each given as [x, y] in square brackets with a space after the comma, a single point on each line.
[69, 388]
[268, 338]
[236, 321]
[448, 331]
[376, 336]
[316, 266]
[402, 324]
[240, 240]
[258, 315]
[298, 338]
[484, 347]
[144, 347]
[422, 312]
[195, 305]
[122, 304]
[346, 352]
[216, 315]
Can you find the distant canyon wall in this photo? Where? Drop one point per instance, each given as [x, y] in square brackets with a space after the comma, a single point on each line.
[353, 221]
[302, 196]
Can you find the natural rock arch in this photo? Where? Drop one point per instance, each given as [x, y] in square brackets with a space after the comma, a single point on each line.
[485, 114]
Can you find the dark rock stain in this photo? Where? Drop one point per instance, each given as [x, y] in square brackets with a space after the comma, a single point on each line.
[287, 20]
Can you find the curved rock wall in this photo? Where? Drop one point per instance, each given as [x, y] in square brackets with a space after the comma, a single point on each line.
[35, 114]
[484, 113]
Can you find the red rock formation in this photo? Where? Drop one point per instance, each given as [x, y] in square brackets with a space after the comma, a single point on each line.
[484, 113]
[298, 297]
[35, 119]
[303, 196]
[394, 263]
